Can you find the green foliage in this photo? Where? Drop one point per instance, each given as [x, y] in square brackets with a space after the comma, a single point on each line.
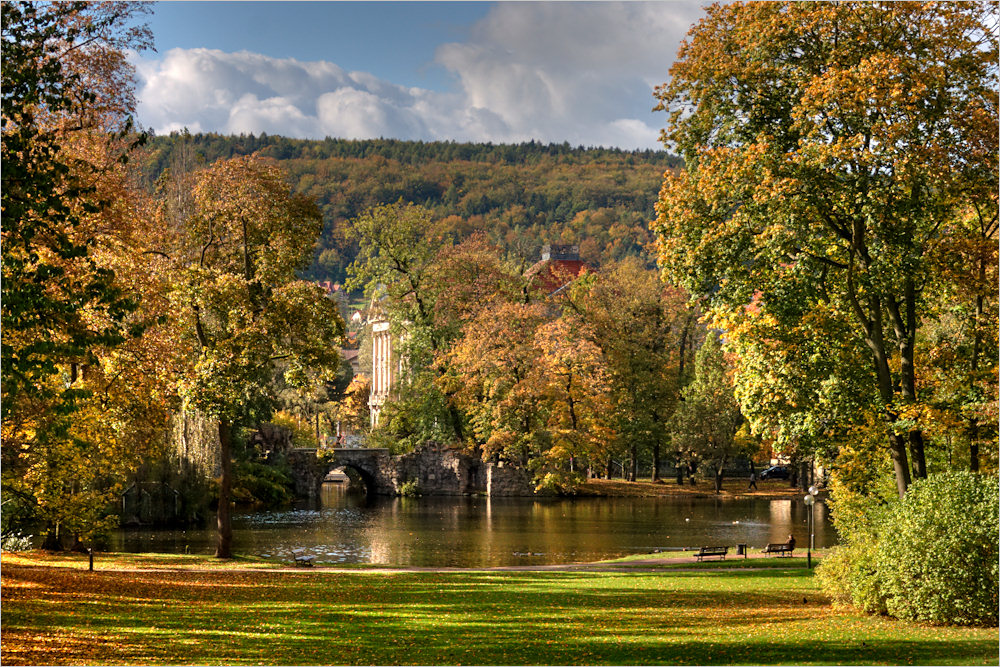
[302, 436]
[939, 555]
[409, 489]
[850, 576]
[263, 484]
[930, 557]
[707, 421]
[418, 413]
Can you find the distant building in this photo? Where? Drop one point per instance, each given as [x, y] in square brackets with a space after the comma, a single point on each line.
[387, 362]
[351, 356]
[559, 266]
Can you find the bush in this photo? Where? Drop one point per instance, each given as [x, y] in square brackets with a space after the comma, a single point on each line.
[262, 484]
[848, 574]
[409, 488]
[932, 557]
[15, 541]
[939, 561]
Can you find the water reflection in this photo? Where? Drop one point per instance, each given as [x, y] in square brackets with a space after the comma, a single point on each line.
[475, 531]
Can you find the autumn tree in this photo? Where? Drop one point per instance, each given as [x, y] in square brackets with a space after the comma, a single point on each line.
[497, 360]
[79, 405]
[708, 421]
[827, 147]
[243, 312]
[430, 289]
[572, 382]
[645, 331]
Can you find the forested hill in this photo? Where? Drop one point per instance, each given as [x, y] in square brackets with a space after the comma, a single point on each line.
[522, 195]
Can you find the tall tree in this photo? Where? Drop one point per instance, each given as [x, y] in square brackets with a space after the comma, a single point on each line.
[640, 324]
[708, 420]
[74, 421]
[826, 146]
[572, 377]
[244, 312]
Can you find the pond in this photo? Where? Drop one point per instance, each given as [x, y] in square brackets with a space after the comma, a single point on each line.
[482, 532]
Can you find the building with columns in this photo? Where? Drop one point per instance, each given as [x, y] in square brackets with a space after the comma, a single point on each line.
[384, 370]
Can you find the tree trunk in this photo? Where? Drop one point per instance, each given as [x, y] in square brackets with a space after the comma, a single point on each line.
[974, 445]
[633, 464]
[976, 345]
[608, 469]
[52, 541]
[223, 517]
[656, 462]
[872, 323]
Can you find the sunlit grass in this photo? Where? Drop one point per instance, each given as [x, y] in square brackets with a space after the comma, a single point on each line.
[239, 615]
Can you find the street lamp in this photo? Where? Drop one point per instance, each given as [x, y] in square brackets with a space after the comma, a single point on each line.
[810, 501]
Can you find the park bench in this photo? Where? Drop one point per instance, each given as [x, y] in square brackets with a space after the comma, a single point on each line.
[706, 552]
[304, 560]
[779, 549]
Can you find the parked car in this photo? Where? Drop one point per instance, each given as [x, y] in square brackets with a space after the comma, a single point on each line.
[775, 472]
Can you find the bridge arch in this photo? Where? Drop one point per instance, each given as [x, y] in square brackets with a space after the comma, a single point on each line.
[310, 468]
[367, 477]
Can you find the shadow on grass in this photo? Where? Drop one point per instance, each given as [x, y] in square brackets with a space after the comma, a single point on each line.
[430, 618]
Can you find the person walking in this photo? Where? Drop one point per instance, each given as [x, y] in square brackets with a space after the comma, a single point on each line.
[753, 481]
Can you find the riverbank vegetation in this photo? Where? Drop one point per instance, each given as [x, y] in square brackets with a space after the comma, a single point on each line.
[708, 616]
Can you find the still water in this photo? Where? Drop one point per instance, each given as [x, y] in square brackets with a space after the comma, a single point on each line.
[481, 532]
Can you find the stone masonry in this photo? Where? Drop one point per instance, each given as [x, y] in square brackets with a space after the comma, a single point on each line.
[437, 471]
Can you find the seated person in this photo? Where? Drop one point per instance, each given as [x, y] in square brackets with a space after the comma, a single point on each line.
[791, 542]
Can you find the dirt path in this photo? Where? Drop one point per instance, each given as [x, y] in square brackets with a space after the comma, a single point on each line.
[650, 564]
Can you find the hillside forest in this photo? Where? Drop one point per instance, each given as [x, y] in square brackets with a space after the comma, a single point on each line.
[521, 196]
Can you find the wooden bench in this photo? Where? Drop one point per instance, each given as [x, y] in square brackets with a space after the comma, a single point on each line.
[304, 560]
[706, 552]
[780, 549]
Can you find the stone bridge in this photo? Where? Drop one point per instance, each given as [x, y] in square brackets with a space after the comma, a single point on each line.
[437, 471]
[372, 465]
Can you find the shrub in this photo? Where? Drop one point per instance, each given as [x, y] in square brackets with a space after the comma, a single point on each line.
[849, 576]
[15, 541]
[262, 484]
[303, 437]
[409, 488]
[932, 557]
[939, 561]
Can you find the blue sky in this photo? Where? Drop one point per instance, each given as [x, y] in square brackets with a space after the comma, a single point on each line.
[465, 71]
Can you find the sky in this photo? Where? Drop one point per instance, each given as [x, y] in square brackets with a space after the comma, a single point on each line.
[504, 72]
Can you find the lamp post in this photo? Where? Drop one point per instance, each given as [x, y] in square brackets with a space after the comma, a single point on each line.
[810, 501]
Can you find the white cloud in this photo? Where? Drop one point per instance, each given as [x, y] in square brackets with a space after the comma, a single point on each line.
[577, 72]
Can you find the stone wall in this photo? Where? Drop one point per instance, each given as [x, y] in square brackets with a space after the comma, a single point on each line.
[507, 481]
[437, 471]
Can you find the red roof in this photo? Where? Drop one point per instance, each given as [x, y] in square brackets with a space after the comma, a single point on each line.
[552, 275]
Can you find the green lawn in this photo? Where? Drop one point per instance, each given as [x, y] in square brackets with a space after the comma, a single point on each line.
[58, 615]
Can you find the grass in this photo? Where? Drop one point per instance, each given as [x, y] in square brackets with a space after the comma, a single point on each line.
[191, 611]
